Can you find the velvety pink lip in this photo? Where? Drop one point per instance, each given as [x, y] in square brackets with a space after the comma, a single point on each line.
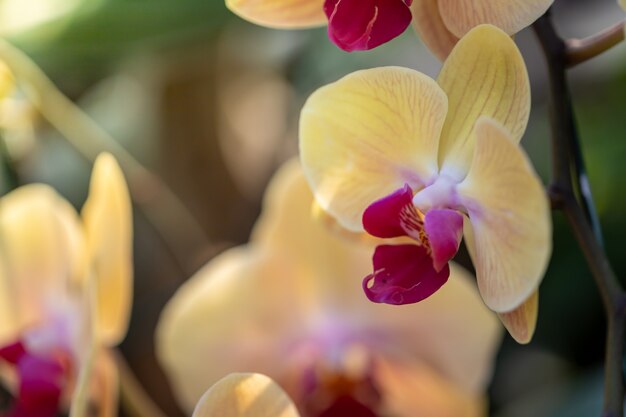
[403, 274]
[356, 25]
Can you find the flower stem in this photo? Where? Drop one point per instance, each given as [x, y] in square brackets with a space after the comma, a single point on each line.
[155, 199]
[581, 50]
[570, 193]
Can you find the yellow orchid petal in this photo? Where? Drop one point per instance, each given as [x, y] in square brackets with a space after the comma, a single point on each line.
[460, 16]
[522, 321]
[484, 75]
[236, 311]
[107, 217]
[40, 241]
[280, 14]
[245, 395]
[510, 219]
[431, 29]
[367, 135]
[405, 386]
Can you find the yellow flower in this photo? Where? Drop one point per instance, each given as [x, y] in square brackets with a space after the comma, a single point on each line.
[65, 293]
[287, 305]
[245, 395]
[395, 153]
[365, 24]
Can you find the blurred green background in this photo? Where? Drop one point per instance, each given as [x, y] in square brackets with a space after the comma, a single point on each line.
[210, 103]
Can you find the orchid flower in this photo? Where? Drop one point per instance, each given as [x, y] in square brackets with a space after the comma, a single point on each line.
[286, 305]
[365, 24]
[245, 395]
[65, 294]
[394, 153]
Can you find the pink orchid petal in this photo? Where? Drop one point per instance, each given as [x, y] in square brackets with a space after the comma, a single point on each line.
[41, 382]
[356, 25]
[13, 353]
[403, 274]
[393, 216]
[444, 228]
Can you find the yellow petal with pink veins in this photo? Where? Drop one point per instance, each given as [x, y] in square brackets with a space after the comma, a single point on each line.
[245, 395]
[281, 14]
[460, 16]
[510, 219]
[368, 134]
[431, 29]
[484, 75]
[522, 321]
[107, 216]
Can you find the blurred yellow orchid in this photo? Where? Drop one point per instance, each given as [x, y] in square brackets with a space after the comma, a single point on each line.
[394, 153]
[286, 305]
[65, 294]
[245, 395]
[366, 24]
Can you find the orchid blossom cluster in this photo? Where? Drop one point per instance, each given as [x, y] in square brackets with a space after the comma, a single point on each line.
[346, 301]
[414, 163]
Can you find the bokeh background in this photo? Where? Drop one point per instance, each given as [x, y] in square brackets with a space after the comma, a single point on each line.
[210, 103]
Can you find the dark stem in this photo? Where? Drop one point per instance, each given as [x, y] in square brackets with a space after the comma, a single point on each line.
[570, 192]
[567, 162]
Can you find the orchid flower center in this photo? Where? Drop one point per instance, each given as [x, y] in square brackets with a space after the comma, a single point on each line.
[440, 194]
[409, 273]
[339, 389]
